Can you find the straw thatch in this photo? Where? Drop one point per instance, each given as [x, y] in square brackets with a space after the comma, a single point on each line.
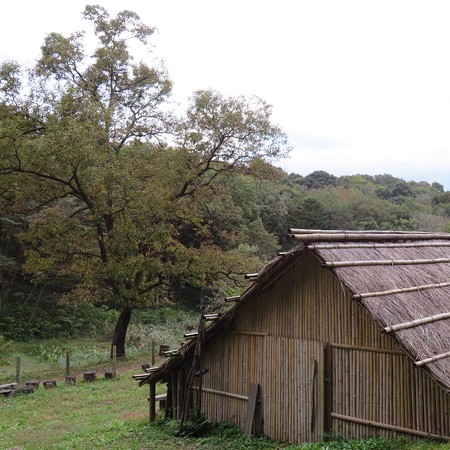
[398, 293]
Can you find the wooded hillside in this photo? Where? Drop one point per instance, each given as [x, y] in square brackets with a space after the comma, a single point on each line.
[256, 211]
[110, 199]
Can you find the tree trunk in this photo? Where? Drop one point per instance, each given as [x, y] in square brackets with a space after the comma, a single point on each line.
[120, 331]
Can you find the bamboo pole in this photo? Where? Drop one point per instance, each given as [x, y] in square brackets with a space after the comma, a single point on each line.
[211, 317]
[384, 262]
[234, 298]
[368, 349]
[377, 232]
[221, 393]
[389, 427]
[432, 359]
[372, 245]
[251, 276]
[401, 290]
[417, 322]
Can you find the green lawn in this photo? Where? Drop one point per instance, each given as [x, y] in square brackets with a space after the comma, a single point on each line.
[113, 414]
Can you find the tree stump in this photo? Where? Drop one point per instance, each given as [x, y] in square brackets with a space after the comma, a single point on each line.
[110, 374]
[71, 379]
[89, 376]
[163, 348]
[49, 384]
[33, 383]
[25, 390]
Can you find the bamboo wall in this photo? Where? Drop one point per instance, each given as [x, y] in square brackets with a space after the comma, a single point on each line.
[385, 388]
[290, 373]
[279, 341]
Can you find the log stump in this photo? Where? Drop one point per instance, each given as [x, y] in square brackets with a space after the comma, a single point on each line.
[49, 384]
[32, 383]
[71, 379]
[89, 376]
[25, 390]
[110, 374]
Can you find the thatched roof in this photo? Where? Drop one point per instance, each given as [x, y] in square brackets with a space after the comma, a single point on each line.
[402, 279]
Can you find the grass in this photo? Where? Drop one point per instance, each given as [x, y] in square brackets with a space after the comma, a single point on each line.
[113, 414]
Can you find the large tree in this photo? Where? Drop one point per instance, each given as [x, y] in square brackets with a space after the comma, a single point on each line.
[117, 191]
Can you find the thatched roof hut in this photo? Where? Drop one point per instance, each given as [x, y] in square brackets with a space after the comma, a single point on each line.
[368, 311]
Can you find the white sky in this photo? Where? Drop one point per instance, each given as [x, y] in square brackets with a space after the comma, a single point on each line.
[358, 86]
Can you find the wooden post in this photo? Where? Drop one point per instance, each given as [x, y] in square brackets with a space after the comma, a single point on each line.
[173, 383]
[153, 353]
[169, 401]
[152, 400]
[180, 394]
[17, 369]
[67, 363]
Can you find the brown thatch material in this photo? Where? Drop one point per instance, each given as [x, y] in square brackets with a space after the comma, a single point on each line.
[392, 293]
[406, 302]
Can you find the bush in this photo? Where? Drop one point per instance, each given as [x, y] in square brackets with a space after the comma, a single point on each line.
[51, 320]
[5, 347]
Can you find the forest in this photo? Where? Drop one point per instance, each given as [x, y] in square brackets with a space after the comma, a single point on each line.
[111, 202]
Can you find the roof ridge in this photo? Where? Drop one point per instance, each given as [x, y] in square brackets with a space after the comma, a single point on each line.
[334, 235]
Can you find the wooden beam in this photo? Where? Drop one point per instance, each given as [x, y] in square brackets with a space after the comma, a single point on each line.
[251, 408]
[432, 359]
[417, 322]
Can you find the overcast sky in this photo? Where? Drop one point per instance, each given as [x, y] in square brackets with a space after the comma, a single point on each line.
[359, 86]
